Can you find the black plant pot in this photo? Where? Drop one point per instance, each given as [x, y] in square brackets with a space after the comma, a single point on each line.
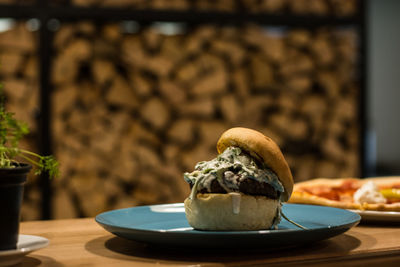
[12, 182]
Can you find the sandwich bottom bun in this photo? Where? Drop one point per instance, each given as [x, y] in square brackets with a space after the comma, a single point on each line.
[228, 212]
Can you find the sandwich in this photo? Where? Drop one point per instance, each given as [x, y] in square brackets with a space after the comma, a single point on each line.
[242, 188]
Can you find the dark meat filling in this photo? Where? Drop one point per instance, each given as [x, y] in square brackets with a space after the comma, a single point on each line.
[247, 186]
[234, 170]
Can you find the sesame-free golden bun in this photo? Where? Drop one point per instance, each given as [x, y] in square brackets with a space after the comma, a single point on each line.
[215, 212]
[262, 148]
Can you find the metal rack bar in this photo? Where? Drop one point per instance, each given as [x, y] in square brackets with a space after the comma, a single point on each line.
[44, 138]
[362, 104]
[113, 14]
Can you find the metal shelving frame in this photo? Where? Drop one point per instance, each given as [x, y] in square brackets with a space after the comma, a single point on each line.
[45, 12]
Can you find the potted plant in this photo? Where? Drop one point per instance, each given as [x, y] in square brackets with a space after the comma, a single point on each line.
[15, 164]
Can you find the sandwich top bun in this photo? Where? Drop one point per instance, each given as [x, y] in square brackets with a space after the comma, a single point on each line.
[262, 148]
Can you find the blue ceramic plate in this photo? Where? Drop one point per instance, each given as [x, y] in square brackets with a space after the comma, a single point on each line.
[167, 225]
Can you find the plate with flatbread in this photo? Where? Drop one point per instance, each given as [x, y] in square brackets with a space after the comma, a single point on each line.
[374, 198]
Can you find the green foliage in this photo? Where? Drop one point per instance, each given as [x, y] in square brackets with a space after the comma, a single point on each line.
[11, 132]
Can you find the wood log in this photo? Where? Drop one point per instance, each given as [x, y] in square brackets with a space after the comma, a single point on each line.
[17, 89]
[103, 71]
[299, 38]
[30, 69]
[172, 48]
[142, 86]
[241, 82]
[214, 83]
[187, 73]
[208, 137]
[314, 105]
[132, 51]
[155, 112]
[104, 48]
[121, 94]
[318, 7]
[346, 109]
[65, 97]
[233, 52]
[85, 3]
[344, 8]
[112, 32]
[140, 134]
[65, 70]
[127, 166]
[181, 131]
[272, 5]
[171, 153]
[329, 84]
[151, 39]
[105, 139]
[135, 54]
[299, 7]
[171, 91]
[194, 42]
[252, 106]
[231, 108]
[273, 47]
[326, 169]
[64, 35]
[10, 62]
[301, 84]
[78, 50]
[332, 148]
[262, 75]
[296, 63]
[172, 4]
[288, 103]
[322, 51]
[124, 3]
[298, 129]
[86, 27]
[201, 108]
[18, 38]
[197, 154]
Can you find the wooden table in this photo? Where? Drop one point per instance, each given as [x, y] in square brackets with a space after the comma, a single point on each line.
[82, 242]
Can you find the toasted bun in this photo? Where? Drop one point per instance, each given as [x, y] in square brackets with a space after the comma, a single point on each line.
[262, 148]
[216, 212]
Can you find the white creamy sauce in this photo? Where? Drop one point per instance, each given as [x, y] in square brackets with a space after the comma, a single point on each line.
[368, 193]
[235, 202]
[229, 168]
[207, 181]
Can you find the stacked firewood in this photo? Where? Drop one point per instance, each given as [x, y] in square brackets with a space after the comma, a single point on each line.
[300, 7]
[19, 76]
[134, 110]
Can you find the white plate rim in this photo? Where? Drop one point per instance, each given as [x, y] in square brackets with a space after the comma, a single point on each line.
[25, 245]
[378, 215]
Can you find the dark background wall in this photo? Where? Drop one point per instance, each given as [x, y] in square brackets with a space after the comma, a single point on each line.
[384, 84]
